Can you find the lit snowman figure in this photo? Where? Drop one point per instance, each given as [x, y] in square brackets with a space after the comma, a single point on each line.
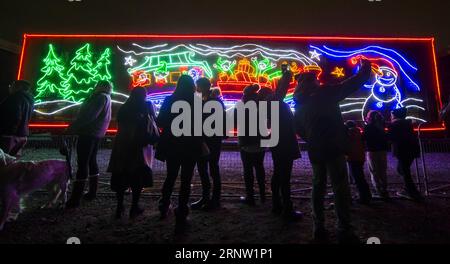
[385, 95]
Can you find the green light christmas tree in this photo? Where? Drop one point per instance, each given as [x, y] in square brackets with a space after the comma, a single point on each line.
[53, 82]
[81, 76]
[102, 66]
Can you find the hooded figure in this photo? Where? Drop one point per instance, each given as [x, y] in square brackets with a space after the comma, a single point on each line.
[16, 111]
[320, 123]
[90, 126]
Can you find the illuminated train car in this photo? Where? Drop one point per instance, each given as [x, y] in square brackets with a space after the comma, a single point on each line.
[65, 68]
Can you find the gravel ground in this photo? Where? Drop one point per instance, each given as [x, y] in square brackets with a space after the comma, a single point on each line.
[399, 221]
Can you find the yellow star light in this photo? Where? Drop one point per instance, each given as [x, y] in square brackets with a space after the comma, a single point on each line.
[338, 72]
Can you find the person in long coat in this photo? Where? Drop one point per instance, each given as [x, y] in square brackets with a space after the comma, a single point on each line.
[129, 158]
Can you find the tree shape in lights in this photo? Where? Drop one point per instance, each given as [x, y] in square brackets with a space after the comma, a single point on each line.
[53, 82]
[81, 77]
[102, 66]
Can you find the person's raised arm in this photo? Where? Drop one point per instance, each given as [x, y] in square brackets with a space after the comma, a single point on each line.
[283, 86]
[342, 90]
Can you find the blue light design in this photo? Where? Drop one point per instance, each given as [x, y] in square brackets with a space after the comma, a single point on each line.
[394, 57]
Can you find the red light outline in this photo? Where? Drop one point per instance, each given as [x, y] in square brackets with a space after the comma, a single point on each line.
[60, 125]
[22, 54]
[436, 72]
[113, 130]
[218, 36]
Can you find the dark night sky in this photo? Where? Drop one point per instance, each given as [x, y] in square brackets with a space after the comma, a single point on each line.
[320, 17]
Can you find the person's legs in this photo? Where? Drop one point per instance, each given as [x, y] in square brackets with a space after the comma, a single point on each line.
[119, 209]
[285, 177]
[215, 174]
[182, 211]
[187, 170]
[382, 172]
[261, 175]
[93, 171]
[357, 172]
[318, 196]
[173, 167]
[339, 180]
[202, 167]
[85, 146]
[378, 166]
[404, 169]
[277, 207]
[248, 162]
[135, 209]
[286, 173]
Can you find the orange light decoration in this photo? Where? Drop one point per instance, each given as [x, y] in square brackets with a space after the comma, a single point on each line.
[315, 69]
[245, 74]
[338, 72]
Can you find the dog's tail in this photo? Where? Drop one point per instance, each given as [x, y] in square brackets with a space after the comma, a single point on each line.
[66, 151]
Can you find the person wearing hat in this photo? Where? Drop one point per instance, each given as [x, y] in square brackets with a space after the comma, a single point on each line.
[16, 111]
[405, 147]
[319, 122]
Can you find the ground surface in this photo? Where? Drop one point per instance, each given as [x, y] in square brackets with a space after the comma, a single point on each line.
[399, 221]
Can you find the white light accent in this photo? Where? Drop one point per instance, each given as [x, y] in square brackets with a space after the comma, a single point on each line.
[352, 111]
[315, 55]
[412, 99]
[363, 118]
[356, 98]
[415, 118]
[350, 104]
[130, 61]
[370, 49]
[152, 47]
[57, 111]
[53, 102]
[415, 106]
[121, 94]
[231, 52]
